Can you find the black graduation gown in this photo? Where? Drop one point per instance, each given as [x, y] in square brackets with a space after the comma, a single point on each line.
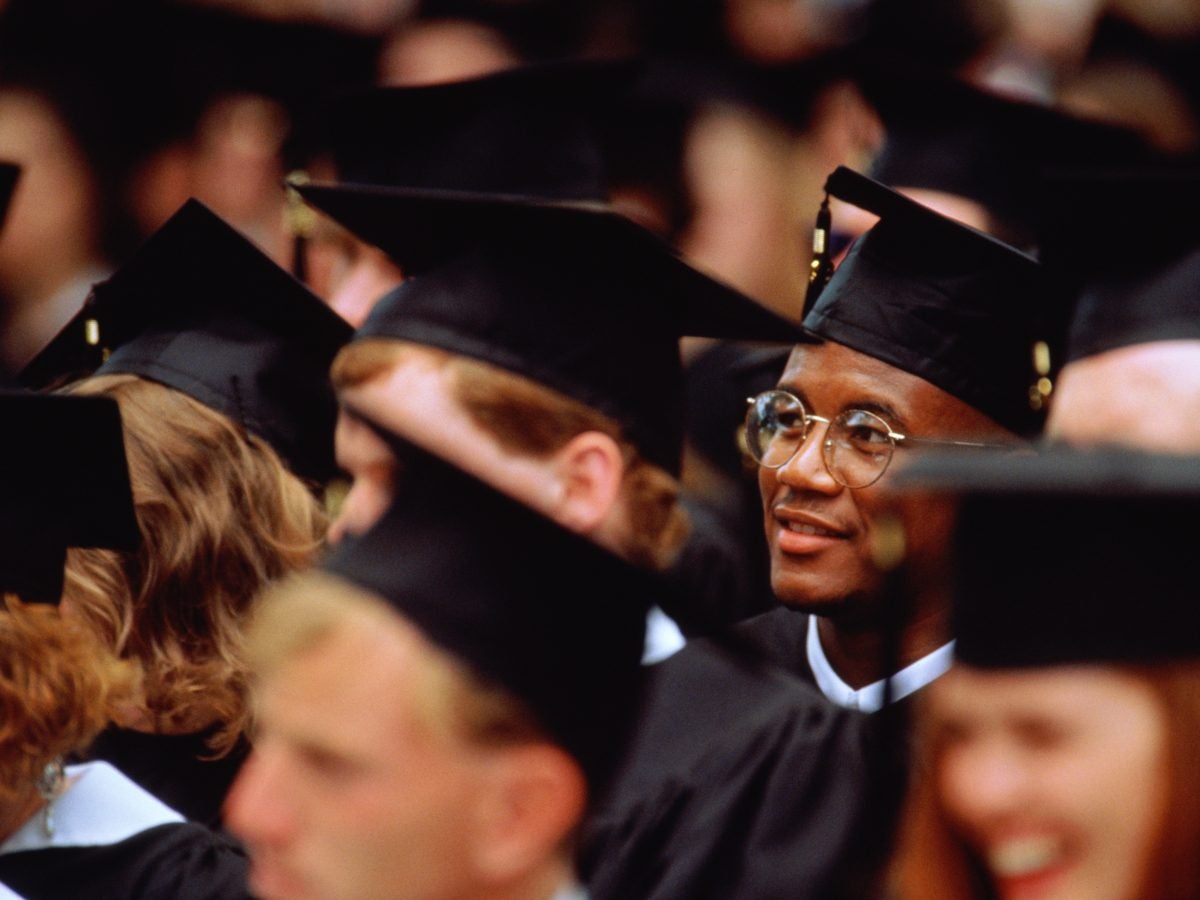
[779, 637]
[714, 574]
[173, 768]
[741, 784]
[170, 859]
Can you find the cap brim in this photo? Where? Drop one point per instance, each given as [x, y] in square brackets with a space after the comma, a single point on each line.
[418, 228]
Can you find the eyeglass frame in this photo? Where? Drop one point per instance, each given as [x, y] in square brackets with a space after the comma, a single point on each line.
[894, 437]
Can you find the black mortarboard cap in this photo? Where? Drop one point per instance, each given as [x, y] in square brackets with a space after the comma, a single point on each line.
[592, 306]
[528, 136]
[938, 299]
[1126, 240]
[66, 484]
[200, 309]
[548, 615]
[1071, 556]
[947, 135]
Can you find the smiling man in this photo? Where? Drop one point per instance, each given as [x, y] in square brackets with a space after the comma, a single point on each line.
[924, 336]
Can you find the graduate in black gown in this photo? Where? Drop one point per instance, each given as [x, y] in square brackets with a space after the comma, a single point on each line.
[924, 336]
[218, 359]
[76, 830]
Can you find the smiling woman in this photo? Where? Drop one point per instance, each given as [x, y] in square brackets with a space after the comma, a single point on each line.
[1058, 782]
[1060, 756]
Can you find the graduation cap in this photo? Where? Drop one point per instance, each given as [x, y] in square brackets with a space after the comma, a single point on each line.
[66, 484]
[527, 137]
[1124, 240]
[553, 618]
[592, 306]
[931, 296]
[200, 309]
[947, 135]
[1071, 556]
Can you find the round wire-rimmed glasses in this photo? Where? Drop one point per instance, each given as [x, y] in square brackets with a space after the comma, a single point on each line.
[858, 444]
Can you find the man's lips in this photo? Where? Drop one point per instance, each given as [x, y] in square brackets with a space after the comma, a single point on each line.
[802, 532]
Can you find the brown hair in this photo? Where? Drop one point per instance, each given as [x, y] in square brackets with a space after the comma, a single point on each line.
[528, 418]
[220, 516]
[932, 861]
[58, 689]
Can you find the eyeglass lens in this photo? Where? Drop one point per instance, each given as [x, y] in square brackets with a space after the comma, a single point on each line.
[857, 447]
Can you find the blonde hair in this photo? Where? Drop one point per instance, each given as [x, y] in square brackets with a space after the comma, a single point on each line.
[452, 702]
[58, 689]
[221, 517]
[528, 418]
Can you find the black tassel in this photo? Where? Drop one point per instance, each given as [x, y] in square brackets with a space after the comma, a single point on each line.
[822, 262]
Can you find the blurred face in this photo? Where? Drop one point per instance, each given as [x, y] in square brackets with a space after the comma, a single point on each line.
[1144, 395]
[366, 277]
[819, 532]
[415, 400]
[348, 794]
[1055, 776]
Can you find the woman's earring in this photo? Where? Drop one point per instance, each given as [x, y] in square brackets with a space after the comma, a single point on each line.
[49, 786]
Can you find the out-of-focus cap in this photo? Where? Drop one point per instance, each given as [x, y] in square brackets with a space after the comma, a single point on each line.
[1127, 243]
[1070, 556]
[946, 135]
[592, 306]
[66, 484]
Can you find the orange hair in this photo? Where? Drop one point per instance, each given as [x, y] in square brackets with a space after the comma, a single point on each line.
[58, 689]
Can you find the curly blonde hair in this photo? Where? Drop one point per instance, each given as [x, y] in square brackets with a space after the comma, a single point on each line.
[221, 517]
[58, 689]
[528, 418]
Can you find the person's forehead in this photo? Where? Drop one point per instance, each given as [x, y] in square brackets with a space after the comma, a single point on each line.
[349, 690]
[833, 366]
[1062, 691]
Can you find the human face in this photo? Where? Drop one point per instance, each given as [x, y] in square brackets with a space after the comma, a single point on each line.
[819, 533]
[1144, 395]
[349, 794]
[1055, 776]
[367, 276]
[415, 400]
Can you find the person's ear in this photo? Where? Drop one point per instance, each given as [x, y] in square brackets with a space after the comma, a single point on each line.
[534, 796]
[589, 469]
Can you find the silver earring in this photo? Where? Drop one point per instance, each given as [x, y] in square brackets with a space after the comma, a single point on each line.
[49, 786]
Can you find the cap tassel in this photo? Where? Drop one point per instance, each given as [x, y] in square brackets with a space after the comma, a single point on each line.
[821, 267]
[1040, 390]
[91, 327]
[301, 222]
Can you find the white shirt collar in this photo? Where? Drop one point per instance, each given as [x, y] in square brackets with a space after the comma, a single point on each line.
[869, 699]
[99, 807]
[663, 637]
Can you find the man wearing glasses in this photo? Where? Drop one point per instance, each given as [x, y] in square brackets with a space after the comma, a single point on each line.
[927, 335]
